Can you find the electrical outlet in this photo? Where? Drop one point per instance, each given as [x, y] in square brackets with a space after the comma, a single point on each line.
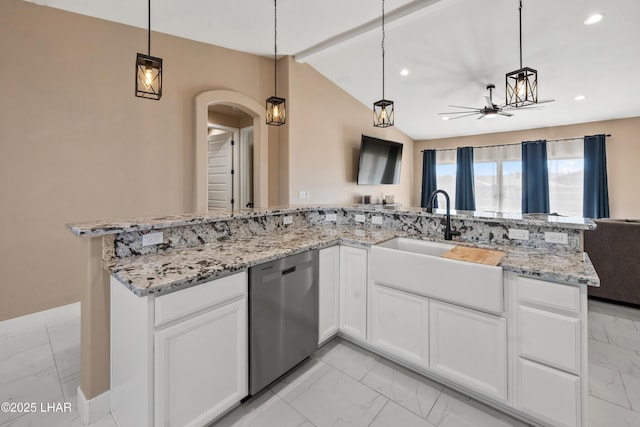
[561, 238]
[331, 217]
[154, 238]
[302, 195]
[359, 218]
[518, 234]
[287, 219]
[377, 220]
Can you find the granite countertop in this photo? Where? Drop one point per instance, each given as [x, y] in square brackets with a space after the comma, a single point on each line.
[107, 227]
[170, 271]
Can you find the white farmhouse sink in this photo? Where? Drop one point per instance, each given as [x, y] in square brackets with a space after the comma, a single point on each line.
[416, 246]
[416, 266]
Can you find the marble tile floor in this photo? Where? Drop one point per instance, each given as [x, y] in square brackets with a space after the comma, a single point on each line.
[341, 384]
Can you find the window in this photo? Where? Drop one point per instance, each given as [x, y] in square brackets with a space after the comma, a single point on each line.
[498, 178]
[565, 160]
[446, 175]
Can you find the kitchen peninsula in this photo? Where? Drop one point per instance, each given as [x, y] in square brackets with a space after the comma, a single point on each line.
[202, 254]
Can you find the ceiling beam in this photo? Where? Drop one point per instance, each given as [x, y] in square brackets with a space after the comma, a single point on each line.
[389, 17]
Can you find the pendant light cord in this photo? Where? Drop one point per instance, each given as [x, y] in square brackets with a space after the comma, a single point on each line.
[520, 16]
[275, 47]
[383, 49]
[149, 29]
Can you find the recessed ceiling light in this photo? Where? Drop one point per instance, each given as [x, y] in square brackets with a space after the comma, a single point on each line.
[594, 19]
[579, 98]
[404, 72]
[445, 118]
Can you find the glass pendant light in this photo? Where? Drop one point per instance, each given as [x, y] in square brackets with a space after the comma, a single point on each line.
[383, 110]
[276, 106]
[521, 84]
[148, 70]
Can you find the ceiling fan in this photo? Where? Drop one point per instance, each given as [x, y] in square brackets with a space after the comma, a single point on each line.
[490, 110]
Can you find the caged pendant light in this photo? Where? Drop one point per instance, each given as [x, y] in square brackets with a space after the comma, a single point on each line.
[383, 110]
[276, 107]
[148, 70]
[521, 84]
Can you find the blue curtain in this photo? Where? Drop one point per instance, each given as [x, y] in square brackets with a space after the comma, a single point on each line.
[535, 177]
[465, 195]
[428, 177]
[596, 189]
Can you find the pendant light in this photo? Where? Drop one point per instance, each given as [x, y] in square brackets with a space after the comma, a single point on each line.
[521, 84]
[276, 107]
[148, 70]
[383, 110]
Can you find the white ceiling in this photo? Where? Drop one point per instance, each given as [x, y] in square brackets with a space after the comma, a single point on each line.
[452, 48]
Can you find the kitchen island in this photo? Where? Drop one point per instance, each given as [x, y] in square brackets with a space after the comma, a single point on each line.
[206, 248]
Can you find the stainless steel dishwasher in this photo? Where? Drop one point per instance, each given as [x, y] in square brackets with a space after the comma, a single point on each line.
[283, 316]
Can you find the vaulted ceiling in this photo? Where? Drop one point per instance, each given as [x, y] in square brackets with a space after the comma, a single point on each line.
[451, 48]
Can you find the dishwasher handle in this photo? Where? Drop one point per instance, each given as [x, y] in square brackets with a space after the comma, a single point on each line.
[289, 270]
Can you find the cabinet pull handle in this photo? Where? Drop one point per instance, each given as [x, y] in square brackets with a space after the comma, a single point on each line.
[288, 270]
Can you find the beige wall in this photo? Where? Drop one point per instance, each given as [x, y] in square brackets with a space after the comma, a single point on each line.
[76, 144]
[623, 152]
[238, 121]
[324, 142]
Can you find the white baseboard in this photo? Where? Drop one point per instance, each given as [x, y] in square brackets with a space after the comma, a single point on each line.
[92, 410]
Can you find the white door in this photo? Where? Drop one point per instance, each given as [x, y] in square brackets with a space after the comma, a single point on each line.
[399, 324]
[201, 366]
[329, 293]
[353, 292]
[469, 347]
[220, 178]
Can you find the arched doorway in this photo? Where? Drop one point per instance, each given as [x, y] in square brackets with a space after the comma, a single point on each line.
[260, 138]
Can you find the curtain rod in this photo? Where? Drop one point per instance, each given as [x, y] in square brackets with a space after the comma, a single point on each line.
[510, 143]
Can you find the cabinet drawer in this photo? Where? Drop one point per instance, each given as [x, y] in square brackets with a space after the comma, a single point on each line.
[191, 300]
[553, 295]
[549, 338]
[548, 394]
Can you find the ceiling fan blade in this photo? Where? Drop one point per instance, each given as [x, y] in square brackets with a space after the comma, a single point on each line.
[531, 107]
[502, 113]
[466, 115]
[459, 112]
[468, 108]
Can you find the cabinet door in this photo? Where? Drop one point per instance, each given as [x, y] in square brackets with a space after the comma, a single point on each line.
[469, 347]
[329, 293]
[201, 366]
[353, 292]
[398, 324]
[547, 394]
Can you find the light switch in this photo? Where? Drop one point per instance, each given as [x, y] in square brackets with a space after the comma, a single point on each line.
[287, 219]
[376, 220]
[518, 234]
[359, 218]
[331, 217]
[151, 239]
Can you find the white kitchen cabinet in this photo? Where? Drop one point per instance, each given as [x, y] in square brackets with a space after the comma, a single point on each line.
[548, 394]
[329, 293]
[353, 292]
[469, 347]
[399, 324]
[201, 366]
[550, 375]
[179, 359]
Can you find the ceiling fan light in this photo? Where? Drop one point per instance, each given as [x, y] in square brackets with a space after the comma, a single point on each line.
[383, 113]
[521, 87]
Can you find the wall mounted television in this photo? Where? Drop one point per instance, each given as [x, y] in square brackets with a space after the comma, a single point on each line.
[380, 161]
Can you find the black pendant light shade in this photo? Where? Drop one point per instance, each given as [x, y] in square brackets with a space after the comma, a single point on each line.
[383, 113]
[522, 84]
[276, 110]
[522, 87]
[276, 106]
[148, 69]
[383, 110]
[148, 76]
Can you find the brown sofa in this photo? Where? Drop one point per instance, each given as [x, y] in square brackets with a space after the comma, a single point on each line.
[614, 249]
